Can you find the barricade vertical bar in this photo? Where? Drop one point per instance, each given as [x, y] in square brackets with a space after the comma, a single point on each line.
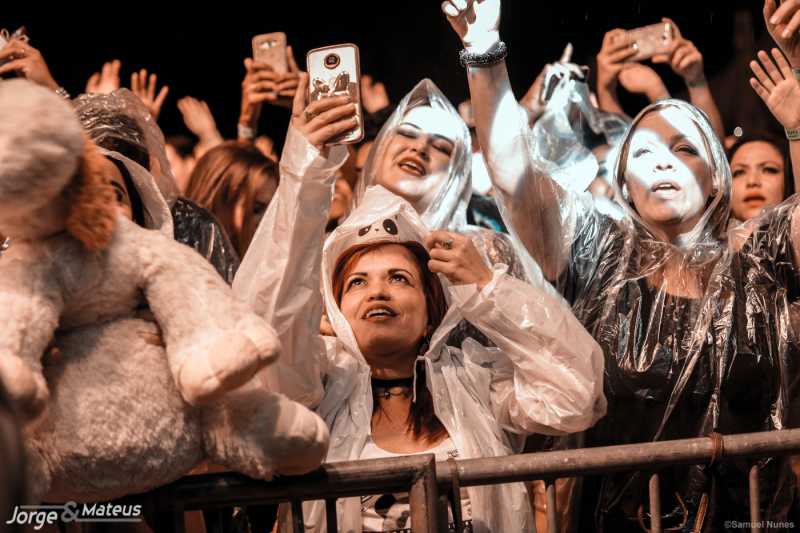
[655, 505]
[423, 498]
[455, 497]
[178, 521]
[444, 505]
[552, 511]
[755, 508]
[298, 525]
[330, 515]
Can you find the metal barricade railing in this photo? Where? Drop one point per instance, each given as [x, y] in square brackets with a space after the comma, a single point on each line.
[550, 466]
[415, 474]
[425, 479]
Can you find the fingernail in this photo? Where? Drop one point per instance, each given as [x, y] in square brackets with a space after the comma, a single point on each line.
[774, 19]
[786, 33]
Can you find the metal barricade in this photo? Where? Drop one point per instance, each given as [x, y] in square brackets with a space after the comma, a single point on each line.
[415, 474]
[426, 480]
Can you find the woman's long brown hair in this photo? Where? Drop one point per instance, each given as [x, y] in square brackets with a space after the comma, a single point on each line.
[225, 174]
[422, 420]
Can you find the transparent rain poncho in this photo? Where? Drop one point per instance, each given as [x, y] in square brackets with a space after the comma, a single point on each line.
[427, 108]
[569, 126]
[698, 335]
[543, 376]
[121, 119]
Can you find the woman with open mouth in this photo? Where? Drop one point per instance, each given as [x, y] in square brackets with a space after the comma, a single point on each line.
[423, 154]
[762, 175]
[696, 329]
[388, 383]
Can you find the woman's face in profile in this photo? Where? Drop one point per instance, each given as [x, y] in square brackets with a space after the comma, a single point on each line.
[668, 171]
[417, 156]
[112, 173]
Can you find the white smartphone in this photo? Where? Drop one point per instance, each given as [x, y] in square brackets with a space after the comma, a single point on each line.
[270, 48]
[336, 71]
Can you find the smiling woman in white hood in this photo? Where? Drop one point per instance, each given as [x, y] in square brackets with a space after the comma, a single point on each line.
[387, 383]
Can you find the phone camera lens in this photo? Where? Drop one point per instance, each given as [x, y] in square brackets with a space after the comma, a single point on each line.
[332, 60]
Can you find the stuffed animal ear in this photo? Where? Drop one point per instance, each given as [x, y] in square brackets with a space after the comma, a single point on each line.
[93, 212]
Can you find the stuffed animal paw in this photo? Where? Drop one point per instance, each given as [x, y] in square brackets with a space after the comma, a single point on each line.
[224, 360]
[27, 389]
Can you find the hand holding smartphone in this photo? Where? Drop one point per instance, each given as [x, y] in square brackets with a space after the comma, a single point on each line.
[5, 39]
[651, 40]
[270, 48]
[336, 71]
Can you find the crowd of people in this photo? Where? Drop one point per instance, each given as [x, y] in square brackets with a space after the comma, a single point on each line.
[619, 280]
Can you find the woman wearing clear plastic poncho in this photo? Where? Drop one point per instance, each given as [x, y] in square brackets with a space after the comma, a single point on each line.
[696, 330]
[121, 125]
[544, 376]
[423, 153]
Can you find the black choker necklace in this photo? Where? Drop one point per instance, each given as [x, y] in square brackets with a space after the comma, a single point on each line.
[383, 387]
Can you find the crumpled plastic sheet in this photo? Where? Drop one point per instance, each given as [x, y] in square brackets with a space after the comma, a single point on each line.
[121, 115]
[196, 227]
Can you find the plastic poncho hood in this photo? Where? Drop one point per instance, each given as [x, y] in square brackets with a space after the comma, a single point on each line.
[382, 217]
[122, 116]
[706, 237]
[428, 109]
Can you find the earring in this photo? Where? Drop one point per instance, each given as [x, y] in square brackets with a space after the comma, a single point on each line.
[625, 191]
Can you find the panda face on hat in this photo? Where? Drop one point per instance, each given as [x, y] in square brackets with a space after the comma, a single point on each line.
[389, 227]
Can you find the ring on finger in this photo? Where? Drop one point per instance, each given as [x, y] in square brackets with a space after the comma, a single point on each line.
[308, 116]
[447, 244]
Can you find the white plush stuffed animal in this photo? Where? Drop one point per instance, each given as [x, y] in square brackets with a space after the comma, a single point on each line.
[113, 409]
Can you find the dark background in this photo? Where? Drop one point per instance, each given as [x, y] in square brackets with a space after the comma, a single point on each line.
[198, 50]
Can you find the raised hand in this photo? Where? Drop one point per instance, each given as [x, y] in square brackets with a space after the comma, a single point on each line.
[199, 120]
[22, 58]
[455, 256]
[373, 94]
[260, 85]
[776, 85]
[614, 52]
[107, 80]
[197, 117]
[476, 22]
[287, 83]
[783, 24]
[324, 119]
[145, 89]
[685, 59]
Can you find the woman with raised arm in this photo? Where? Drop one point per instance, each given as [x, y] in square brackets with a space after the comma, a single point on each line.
[387, 384]
[694, 330]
